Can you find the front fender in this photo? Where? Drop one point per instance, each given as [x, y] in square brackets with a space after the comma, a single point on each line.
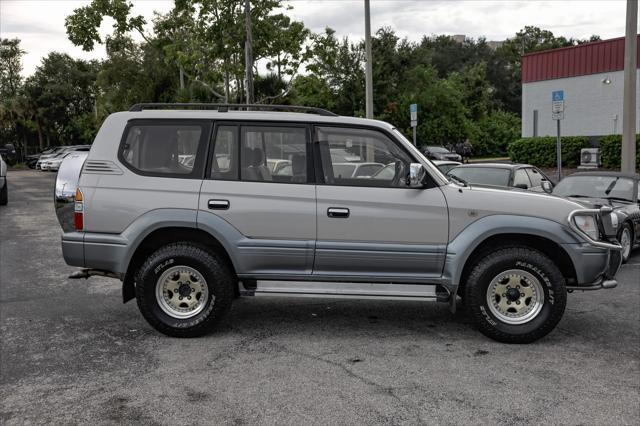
[459, 249]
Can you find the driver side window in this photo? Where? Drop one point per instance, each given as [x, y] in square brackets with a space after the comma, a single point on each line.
[361, 157]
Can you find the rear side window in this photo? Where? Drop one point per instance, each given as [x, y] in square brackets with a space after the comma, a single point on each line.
[161, 148]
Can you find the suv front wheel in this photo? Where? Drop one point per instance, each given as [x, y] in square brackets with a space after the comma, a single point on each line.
[184, 290]
[515, 295]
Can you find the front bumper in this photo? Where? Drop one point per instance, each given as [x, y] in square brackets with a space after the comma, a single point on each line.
[605, 279]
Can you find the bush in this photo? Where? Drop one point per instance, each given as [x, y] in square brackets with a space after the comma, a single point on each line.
[494, 134]
[541, 151]
[610, 147]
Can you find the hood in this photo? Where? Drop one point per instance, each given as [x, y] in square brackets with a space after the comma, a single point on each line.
[595, 203]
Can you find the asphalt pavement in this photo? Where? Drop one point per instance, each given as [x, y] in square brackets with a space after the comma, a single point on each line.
[72, 353]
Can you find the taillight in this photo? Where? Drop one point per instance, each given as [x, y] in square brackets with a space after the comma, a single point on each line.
[78, 215]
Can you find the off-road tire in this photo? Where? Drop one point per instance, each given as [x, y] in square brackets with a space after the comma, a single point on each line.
[4, 193]
[531, 261]
[623, 227]
[219, 279]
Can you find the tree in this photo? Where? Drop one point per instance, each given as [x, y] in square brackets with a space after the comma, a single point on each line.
[63, 91]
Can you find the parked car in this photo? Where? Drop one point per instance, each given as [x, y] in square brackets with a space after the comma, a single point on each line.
[434, 152]
[445, 166]
[353, 170]
[4, 187]
[53, 153]
[621, 191]
[186, 241]
[8, 152]
[53, 164]
[499, 175]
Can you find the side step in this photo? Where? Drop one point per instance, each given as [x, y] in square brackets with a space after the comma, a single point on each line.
[338, 290]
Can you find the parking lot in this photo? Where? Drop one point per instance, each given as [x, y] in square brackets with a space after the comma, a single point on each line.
[71, 352]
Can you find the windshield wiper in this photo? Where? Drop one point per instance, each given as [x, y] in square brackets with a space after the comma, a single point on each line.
[619, 199]
[459, 180]
[577, 196]
[611, 185]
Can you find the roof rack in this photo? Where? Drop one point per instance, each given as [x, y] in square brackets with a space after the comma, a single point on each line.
[226, 107]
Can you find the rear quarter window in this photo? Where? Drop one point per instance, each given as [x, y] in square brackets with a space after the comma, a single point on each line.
[164, 148]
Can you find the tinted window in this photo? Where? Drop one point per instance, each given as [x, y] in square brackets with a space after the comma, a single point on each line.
[366, 152]
[483, 175]
[264, 150]
[162, 149]
[520, 177]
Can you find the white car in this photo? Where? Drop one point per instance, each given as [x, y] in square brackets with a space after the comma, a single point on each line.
[53, 164]
[445, 165]
[4, 198]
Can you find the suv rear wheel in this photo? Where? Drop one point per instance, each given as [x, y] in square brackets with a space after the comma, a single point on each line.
[515, 295]
[184, 290]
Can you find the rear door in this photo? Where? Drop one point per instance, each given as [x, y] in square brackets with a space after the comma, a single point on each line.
[375, 226]
[271, 213]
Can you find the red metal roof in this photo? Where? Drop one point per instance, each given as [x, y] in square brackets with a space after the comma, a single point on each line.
[589, 58]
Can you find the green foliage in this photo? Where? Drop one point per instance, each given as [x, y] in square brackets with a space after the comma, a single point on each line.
[541, 151]
[495, 132]
[611, 148]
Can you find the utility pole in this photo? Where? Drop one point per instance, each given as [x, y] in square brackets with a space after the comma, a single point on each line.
[628, 154]
[368, 69]
[248, 52]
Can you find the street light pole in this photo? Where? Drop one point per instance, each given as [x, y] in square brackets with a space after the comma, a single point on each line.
[628, 154]
[248, 52]
[368, 69]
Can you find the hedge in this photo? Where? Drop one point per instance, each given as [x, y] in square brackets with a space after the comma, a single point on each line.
[610, 147]
[541, 151]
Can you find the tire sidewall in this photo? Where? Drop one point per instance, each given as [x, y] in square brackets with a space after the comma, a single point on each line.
[149, 280]
[540, 272]
[626, 227]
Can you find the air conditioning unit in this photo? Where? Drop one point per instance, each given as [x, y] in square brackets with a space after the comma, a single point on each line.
[589, 158]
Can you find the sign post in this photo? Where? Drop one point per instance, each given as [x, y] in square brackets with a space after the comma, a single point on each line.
[557, 113]
[413, 109]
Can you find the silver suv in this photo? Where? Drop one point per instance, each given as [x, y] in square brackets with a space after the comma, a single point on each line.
[180, 203]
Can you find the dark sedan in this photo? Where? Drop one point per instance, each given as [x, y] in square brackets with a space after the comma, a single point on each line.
[433, 152]
[502, 175]
[619, 190]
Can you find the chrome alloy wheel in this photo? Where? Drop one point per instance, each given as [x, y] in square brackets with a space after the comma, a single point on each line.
[625, 242]
[515, 296]
[181, 292]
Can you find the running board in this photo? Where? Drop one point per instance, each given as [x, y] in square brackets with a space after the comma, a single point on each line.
[339, 290]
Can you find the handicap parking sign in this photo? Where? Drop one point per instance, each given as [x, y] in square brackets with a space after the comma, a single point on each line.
[557, 95]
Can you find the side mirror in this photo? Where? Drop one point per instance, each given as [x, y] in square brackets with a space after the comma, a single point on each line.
[417, 175]
[547, 186]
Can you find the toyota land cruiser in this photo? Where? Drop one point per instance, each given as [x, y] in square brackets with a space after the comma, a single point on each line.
[182, 203]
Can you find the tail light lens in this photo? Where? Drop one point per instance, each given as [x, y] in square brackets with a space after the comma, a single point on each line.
[78, 215]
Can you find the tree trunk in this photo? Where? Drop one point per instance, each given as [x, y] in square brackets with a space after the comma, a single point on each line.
[40, 138]
[226, 86]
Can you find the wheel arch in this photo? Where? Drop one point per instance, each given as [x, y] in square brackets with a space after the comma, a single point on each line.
[545, 245]
[489, 232]
[163, 236]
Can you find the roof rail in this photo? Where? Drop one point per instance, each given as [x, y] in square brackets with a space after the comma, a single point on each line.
[226, 107]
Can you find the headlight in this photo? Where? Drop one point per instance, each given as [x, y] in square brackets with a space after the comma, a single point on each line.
[587, 224]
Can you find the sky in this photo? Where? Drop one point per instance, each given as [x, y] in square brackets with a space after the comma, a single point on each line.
[40, 23]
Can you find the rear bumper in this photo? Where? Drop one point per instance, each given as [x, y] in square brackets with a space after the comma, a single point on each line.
[103, 252]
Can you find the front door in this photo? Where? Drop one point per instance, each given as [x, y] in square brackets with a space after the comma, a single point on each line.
[371, 225]
[259, 193]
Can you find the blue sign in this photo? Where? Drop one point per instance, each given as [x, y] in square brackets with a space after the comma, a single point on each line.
[558, 95]
[413, 108]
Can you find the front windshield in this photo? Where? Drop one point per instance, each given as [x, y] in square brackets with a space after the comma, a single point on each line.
[614, 187]
[482, 175]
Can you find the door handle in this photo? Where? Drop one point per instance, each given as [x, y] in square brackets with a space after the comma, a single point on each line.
[338, 212]
[219, 204]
